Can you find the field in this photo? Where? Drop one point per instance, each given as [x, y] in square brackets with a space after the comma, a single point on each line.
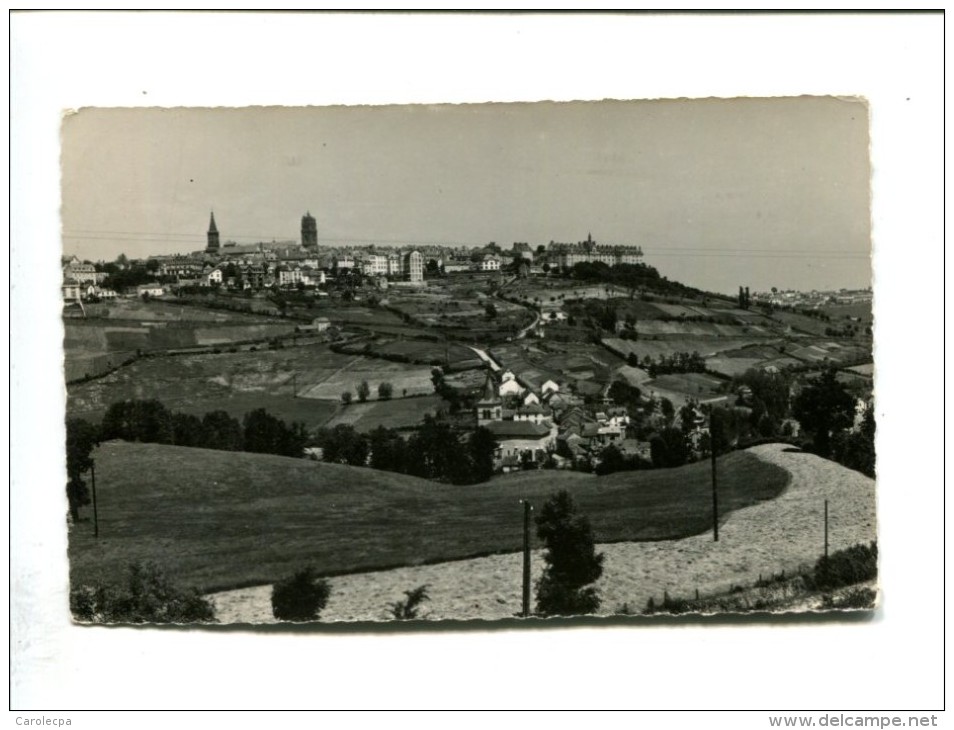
[456, 356]
[705, 346]
[242, 381]
[94, 346]
[766, 538]
[220, 520]
[698, 329]
[400, 413]
[683, 386]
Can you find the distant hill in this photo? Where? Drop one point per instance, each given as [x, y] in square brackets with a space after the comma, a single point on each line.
[217, 520]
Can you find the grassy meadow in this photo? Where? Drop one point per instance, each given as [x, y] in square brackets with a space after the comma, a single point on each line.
[217, 520]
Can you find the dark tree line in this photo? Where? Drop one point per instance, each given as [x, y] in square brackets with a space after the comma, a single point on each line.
[434, 451]
[149, 421]
[678, 362]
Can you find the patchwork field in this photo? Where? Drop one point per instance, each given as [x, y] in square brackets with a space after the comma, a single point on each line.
[242, 381]
[406, 379]
[219, 520]
[425, 352]
[682, 387]
[400, 413]
[705, 346]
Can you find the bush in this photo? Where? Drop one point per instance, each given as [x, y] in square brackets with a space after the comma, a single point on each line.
[300, 597]
[148, 597]
[408, 608]
[856, 564]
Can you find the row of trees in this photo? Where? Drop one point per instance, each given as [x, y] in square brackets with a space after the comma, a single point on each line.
[434, 451]
[385, 392]
[677, 362]
[149, 421]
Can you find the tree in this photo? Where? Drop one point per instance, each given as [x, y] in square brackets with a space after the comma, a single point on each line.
[856, 449]
[81, 438]
[364, 390]
[669, 448]
[612, 460]
[409, 607]
[388, 450]
[346, 398]
[491, 310]
[385, 391]
[148, 421]
[823, 408]
[572, 563]
[343, 445]
[482, 446]
[186, 430]
[263, 433]
[300, 597]
[147, 597]
[220, 431]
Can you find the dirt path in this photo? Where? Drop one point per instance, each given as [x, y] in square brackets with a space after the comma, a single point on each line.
[781, 534]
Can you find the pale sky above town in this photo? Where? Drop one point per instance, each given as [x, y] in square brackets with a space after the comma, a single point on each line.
[719, 193]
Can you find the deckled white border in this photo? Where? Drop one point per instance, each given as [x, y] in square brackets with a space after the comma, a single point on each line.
[62, 61]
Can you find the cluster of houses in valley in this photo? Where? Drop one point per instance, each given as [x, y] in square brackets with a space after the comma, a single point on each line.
[551, 424]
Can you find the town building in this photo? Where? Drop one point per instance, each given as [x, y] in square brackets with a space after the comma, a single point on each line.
[414, 267]
[567, 255]
[309, 231]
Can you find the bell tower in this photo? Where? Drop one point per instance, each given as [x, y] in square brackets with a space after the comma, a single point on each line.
[212, 237]
[309, 231]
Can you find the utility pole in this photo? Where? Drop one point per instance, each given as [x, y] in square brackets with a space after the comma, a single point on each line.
[527, 509]
[715, 492]
[826, 529]
[92, 471]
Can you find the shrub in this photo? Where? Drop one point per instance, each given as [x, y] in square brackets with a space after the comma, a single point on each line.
[300, 597]
[147, 597]
[855, 598]
[409, 607]
[846, 567]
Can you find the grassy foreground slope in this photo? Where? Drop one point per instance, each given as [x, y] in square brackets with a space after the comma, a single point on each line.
[217, 520]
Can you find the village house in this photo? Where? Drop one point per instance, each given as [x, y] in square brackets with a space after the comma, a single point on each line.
[509, 385]
[151, 290]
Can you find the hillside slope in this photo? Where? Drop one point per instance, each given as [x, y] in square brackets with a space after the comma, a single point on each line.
[218, 520]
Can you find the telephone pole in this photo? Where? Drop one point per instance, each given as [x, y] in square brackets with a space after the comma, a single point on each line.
[527, 509]
[826, 529]
[92, 471]
[715, 498]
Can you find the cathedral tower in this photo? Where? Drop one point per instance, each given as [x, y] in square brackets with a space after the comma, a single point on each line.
[212, 245]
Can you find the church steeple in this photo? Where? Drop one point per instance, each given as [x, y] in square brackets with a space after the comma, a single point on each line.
[212, 236]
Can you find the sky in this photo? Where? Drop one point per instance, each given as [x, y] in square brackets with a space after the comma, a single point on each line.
[719, 193]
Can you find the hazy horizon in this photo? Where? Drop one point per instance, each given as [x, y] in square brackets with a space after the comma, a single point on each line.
[718, 192]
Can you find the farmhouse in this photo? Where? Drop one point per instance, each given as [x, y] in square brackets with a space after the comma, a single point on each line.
[318, 324]
[152, 290]
[521, 441]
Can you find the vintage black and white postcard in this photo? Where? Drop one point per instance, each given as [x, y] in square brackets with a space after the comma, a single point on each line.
[474, 361]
